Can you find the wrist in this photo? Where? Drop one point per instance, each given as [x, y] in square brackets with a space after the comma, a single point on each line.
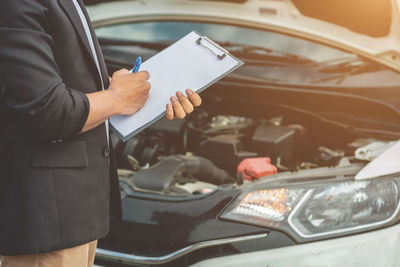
[116, 104]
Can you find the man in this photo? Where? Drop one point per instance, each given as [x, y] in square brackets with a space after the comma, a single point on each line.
[55, 184]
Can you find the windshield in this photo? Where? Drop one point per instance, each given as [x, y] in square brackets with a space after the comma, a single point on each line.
[169, 31]
[269, 56]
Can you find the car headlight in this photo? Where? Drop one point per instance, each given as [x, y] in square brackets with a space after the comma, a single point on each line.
[310, 212]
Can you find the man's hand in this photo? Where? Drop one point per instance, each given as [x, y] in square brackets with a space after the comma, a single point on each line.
[181, 105]
[130, 90]
[126, 94]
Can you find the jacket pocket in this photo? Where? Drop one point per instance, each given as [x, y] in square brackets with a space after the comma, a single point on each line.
[60, 155]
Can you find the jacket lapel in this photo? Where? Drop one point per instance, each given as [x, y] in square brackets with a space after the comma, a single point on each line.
[73, 15]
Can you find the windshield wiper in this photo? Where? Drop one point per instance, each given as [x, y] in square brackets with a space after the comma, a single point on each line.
[342, 68]
[254, 54]
[343, 64]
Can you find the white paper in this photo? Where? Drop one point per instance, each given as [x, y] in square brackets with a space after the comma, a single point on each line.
[386, 163]
[185, 64]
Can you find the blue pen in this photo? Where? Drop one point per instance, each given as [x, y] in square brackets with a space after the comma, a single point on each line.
[136, 67]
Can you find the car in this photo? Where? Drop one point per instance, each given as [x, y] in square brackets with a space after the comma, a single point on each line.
[293, 158]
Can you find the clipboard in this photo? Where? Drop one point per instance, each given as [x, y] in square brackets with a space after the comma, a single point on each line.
[194, 62]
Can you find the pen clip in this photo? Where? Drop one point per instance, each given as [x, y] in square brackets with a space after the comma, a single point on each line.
[220, 56]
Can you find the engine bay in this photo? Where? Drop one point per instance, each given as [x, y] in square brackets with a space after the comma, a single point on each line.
[206, 150]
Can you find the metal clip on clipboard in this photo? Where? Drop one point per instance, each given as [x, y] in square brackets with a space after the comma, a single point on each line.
[220, 56]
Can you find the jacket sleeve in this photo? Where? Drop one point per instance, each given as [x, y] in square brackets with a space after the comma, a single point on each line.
[29, 74]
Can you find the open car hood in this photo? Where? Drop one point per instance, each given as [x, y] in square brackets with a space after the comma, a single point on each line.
[370, 28]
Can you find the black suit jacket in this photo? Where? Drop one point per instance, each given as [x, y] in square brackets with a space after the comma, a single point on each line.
[54, 182]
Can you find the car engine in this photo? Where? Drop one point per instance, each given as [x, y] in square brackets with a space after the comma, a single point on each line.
[204, 151]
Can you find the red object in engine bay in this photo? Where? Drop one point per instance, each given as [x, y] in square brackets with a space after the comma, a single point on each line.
[254, 168]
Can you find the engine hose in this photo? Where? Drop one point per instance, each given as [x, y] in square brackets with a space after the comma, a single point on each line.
[161, 176]
[204, 170]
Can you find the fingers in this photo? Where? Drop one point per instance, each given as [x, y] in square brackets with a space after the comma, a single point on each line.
[169, 112]
[181, 106]
[147, 86]
[177, 107]
[145, 74]
[119, 72]
[194, 98]
[143, 77]
[185, 103]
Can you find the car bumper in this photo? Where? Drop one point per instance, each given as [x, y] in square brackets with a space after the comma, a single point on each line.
[378, 248]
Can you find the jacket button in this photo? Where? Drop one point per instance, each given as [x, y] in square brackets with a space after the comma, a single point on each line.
[106, 152]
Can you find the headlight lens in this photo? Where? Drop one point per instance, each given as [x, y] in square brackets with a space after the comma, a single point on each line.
[320, 211]
[270, 205]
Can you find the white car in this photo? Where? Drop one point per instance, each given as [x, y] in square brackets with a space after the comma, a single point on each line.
[293, 159]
